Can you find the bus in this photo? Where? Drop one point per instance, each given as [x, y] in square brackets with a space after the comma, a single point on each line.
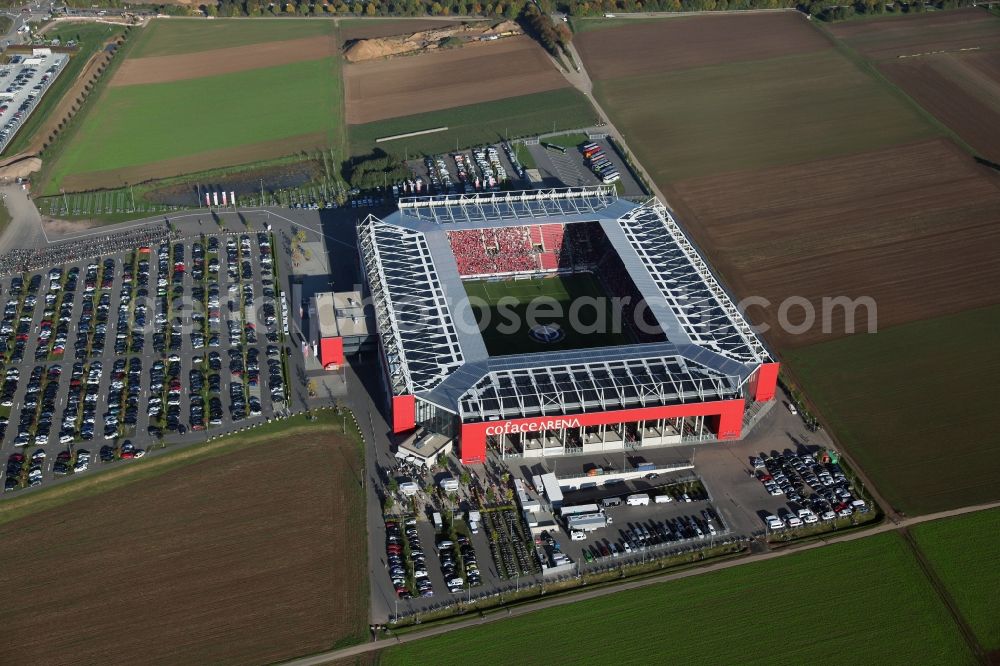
[552, 146]
[610, 177]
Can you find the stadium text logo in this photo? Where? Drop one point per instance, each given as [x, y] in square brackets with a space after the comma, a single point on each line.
[535, 426]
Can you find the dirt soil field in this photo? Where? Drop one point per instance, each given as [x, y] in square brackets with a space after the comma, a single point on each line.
[916, 228]
[681, 43]
[212, 159]
[960, 90]
[891, 37]
[162, 69]
[210, 563]
[480, 72]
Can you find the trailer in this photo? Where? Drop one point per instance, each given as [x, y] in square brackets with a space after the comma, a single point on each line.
[588, 522]
[579, 508]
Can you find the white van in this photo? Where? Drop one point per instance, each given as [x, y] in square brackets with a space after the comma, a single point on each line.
[639, 499]
[578, 535]
[664, 499]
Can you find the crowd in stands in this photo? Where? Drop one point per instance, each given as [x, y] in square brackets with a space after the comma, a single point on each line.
[526, 249]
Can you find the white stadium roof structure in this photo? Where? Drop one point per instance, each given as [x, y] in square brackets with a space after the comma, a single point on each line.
[433, 348]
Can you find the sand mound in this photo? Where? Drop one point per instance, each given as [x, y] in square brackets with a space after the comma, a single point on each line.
[427, 40]
[20, 167]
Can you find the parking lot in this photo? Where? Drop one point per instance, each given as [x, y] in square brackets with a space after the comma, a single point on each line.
[570, 167]
[482, 169]
[117, 352]
[22, 84]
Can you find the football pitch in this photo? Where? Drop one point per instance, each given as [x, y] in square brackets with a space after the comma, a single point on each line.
[575, 308]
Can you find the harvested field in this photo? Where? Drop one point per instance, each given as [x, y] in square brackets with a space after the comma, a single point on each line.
[645, 47]
[915, 406]
[175, 36]
[479, 72]
[205, 563]
[423, 41]
[163, 69]
[960, 90]
[917, 228]
[758, 114]
[891, 37]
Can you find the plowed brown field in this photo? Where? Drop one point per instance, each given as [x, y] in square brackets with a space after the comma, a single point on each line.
[479, 72]
[917, 228]
[162, 69]
[960, 90]
[680, 43]
[895, 36]
[217, 562]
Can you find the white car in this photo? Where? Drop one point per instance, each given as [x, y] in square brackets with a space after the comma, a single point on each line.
[807, 516]
[578, 535]
[773, 522]
[791, 408]
[80, 466]
[794, 521]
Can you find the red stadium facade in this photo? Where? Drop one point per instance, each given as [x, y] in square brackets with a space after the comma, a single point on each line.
[690, 373]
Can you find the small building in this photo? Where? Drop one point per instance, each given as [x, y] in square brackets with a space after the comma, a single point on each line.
[337, 326]
[552, 490]
[423, 448]
[41, 52]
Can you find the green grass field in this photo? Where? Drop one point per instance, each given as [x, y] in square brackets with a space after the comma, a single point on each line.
[755, 114]
[915, 405]
[476, 124]
[503, 337]
[178, 35]
[136, 125]
[865, 601]
[965, 553]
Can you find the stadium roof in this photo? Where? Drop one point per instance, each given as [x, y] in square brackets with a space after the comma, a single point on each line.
[434, 349]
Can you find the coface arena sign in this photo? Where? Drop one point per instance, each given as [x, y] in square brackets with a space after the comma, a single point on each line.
[510, 428]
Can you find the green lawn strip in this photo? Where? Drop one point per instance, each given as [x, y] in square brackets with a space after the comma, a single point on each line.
[964, 552]
[4, 217]
[101, 480]
[923, 436]
[91, 38]
[175, 36]
[477, 124]
[738, 615]
[571, 140]
[231, 113]
[756, 114]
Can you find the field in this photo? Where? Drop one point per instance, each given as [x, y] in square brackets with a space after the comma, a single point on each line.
[808, 175]
[837, 604]
[483, 72]
[965, 555]
[474, 124]
[948, 62]
[211, 561]
[754, 114]
[928, 391]
[636, 47]
[919, 243]
[154, 122]
[563, 290]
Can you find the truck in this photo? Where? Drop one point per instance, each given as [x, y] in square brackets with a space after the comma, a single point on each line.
[438, 523]
[474, 520]
[449, 484]
[645, 467]
[638, 499]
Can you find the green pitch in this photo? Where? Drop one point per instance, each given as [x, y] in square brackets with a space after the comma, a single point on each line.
[513, 306]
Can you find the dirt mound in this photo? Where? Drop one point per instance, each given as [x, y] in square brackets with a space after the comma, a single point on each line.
[428, 40]
[21, 167]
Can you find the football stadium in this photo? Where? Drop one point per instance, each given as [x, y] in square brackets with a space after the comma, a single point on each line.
[556, 322]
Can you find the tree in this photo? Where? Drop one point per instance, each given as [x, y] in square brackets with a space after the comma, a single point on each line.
[390, 501]
[466, 478]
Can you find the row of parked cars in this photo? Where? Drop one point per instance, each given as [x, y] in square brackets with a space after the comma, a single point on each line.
[817, 491]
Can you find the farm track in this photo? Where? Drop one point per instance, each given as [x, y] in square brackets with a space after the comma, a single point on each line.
[349, 652]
